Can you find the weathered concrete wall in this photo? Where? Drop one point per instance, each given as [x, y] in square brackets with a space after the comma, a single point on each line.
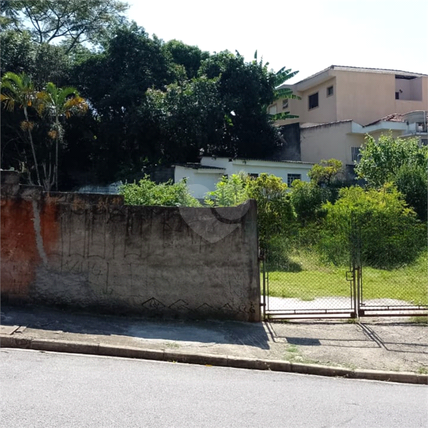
[92, 251]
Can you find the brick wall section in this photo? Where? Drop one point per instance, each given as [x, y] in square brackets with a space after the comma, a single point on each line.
[92, 251]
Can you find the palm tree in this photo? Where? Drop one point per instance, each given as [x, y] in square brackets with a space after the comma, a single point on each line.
[19, 90]
[58, 103]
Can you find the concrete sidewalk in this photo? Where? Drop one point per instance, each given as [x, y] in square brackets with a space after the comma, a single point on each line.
[384, 349]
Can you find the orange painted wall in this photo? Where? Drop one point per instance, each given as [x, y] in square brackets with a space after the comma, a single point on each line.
[19, 253]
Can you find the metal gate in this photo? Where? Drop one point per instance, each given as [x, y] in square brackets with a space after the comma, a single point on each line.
[302, 287]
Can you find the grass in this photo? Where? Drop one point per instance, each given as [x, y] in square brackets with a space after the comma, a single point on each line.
[314, 280]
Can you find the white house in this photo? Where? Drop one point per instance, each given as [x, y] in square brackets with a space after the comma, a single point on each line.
[203, 177]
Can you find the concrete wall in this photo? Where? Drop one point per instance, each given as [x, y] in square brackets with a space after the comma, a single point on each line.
[330, 141]
[291, 143]
[91, 251]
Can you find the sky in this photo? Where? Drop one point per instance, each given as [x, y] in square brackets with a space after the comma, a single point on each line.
[302, 35]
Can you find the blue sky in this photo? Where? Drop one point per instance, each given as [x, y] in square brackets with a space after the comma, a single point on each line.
[304, 35]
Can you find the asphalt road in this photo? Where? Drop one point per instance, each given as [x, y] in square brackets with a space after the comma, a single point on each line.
[41, 389]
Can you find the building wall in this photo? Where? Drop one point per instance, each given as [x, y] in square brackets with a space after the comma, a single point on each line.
[199, 181]
[290, 149]
[362, 96]
[91, 251]
[329, 142]
[280, 169]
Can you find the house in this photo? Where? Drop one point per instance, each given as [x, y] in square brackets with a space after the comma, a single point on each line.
[340, 105]
[202, 177]
[342, 139]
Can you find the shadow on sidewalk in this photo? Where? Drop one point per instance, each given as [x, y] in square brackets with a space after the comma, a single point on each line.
[403, 337]
[70, 321]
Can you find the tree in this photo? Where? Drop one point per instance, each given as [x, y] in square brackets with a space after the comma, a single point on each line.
[9, 15]
[378, 223]
[190, 117]
[412, 182]
[18, 90]
[115, 83]
[41, 62]
[400, 161]
[72, 21]
[326, 172]
[381, 160]
[189, 57]
[58, 103]
[245, 89]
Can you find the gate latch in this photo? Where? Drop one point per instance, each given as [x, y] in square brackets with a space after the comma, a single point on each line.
[352, 273]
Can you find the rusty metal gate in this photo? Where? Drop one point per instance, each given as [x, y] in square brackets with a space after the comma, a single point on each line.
[302, 286]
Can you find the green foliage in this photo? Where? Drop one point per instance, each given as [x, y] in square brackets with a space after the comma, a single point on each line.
[230, 191]
[275, 215]
[171, 109]
[376, 224]
[147, 192]
[307, 200]
[412, 182]
[326, 172]
[189, 57]
[381, 160]
[245, 90]
[73, 21]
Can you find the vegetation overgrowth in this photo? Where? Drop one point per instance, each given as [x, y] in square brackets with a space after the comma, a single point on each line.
[139, 92]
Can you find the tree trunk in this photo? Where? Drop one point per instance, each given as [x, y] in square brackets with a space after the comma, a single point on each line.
[32, 148]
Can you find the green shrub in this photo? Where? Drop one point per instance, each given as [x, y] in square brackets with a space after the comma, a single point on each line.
[307, 200]
[230, 191]
[412, 182]
[275, 214]
[376, 225]
[382, 159]
[147, 192]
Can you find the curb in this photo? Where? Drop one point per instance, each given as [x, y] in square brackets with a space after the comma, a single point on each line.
[77, 347]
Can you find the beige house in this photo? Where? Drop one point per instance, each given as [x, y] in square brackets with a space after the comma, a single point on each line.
[342, 139]
[340, 105]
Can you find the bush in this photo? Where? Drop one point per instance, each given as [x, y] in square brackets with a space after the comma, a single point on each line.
[147, 192]
[381, 160]
[412, 182]
[230, 191]
[376, 225]
[307, 200]
[275, 215]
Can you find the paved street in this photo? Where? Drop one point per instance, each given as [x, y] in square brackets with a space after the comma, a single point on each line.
[42, 389]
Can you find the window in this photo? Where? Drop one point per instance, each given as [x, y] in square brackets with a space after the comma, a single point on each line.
[397, 95]
[313, 101]
[284, 104]
[355, 153]
[424, 141]
[330, 91]
[292, 177]
[272, 109]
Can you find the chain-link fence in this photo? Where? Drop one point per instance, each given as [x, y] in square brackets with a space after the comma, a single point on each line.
[358, 265]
